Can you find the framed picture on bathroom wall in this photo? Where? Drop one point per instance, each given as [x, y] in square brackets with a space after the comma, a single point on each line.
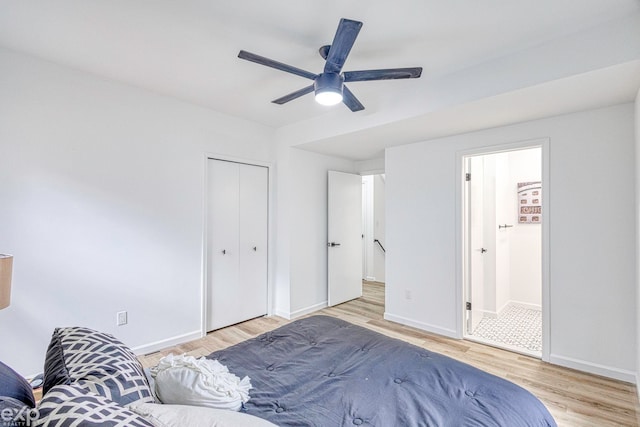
[530, 202]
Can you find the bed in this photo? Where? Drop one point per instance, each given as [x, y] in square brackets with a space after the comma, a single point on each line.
[323, 371]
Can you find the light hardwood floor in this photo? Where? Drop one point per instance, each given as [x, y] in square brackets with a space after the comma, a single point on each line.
[574, 398]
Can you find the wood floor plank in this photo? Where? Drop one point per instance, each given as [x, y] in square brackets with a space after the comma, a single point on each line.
[575, 399]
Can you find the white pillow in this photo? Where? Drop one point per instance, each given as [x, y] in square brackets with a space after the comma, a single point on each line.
[194, 416]
[185, 380]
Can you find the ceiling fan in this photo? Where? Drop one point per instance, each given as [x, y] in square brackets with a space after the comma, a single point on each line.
[329, 85]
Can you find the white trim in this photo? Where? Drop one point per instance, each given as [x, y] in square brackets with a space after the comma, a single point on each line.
[166, 343]
[544, 144]
[368, 172]
[371, 172]
[420, 325]
[526, 305]
[283, 314]
[501, 309]
[546, 250]
[638, 384]
[460, 245]
[243, 160]
[367, 227]
[495, 314]
[307, 310]
[503, 346]
[370, 279]
[593, 368]
[270, 232]
[491, 314]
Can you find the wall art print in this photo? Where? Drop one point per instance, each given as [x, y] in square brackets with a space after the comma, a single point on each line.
[530, 202]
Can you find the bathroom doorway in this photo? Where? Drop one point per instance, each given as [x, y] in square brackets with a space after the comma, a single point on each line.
[502, 242]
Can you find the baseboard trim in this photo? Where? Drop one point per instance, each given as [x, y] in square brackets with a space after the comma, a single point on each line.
[526, 305]
[594, 368]
[490, 314]
[310, 309]
[496, 314]
[501, 309]
[638, 384]
[169, 342]
[420, 325]
[283, 314]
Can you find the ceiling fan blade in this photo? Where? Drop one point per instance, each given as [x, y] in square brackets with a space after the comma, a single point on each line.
[342, 43]
[350, 100]
[388, 74]
[275, 64]
[293, 95]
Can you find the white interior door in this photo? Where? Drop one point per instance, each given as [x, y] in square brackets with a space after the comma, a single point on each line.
[236, 224]
[475, 209]
[344, 237]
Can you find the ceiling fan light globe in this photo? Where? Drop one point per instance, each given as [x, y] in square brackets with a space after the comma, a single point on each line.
[328, 97]
[328, 88]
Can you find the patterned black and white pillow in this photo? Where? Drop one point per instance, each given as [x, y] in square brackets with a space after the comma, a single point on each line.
[69, 405]
[97, 362]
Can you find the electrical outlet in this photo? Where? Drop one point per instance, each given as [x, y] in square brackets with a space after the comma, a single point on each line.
[407, 293]
[121, 317]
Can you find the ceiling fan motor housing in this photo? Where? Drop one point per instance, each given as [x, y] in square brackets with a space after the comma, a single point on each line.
[328, 82]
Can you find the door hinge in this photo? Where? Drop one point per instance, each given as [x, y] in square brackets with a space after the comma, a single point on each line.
[467, 177]
[468, 306]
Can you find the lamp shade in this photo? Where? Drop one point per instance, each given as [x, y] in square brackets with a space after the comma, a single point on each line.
[6, 267]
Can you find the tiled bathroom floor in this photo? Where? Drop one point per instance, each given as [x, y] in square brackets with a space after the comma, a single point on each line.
[516, 326]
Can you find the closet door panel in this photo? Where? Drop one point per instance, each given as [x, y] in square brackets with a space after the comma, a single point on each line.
[254, 181]
[222, 244]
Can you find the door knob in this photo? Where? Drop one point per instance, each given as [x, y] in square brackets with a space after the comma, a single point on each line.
[255, 248]
[482, 250]
[224, 252]
[333, 244]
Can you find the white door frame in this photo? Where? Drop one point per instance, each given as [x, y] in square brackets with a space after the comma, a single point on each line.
[270, 229]
[543, 143]
[471, 245]
[367, 228]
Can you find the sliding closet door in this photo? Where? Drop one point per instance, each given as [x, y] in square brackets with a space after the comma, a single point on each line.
[236, 243]
[253, 241]
[222, 244]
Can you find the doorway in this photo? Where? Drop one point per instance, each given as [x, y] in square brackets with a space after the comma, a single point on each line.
[502, 239]
[356, 228]
[373, 228]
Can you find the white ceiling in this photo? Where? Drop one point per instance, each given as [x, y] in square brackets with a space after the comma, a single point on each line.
[188, 49]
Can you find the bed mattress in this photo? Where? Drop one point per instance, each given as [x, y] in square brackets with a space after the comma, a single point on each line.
[323, 371]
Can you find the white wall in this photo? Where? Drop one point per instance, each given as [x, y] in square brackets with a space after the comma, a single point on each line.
[302, 229]
[503, 198]
[591, 216]
[525, 240]
[379, 226]
[101, 202]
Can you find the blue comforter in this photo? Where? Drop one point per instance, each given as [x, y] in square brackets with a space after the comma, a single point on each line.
[322, 371]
